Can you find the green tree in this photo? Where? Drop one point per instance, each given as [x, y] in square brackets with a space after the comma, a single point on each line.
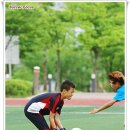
[69, 42]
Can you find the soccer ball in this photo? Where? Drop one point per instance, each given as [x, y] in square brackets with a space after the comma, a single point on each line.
[76, 129]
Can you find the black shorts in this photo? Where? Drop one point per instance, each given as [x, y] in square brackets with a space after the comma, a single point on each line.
[37, 119]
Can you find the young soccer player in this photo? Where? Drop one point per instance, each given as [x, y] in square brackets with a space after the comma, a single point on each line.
[49, 104]
[117, 81]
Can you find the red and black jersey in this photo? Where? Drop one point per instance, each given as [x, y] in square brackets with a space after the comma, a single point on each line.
[45, 103]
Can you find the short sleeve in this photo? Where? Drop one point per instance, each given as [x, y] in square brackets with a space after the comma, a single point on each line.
[58, 109]
[53, 103]
[120, 95]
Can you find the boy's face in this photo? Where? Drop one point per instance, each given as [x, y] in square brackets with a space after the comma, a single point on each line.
[68, 94]
[114, 85]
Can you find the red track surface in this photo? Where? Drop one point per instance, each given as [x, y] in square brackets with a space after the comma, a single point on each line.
[77, 99]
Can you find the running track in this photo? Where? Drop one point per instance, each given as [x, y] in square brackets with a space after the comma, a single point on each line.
[77, 99]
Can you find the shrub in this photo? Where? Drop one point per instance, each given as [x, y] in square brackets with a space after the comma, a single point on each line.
[22, 72]
[18, 88]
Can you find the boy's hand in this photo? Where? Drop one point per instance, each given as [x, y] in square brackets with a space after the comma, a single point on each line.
[93, 111]
[62, 129]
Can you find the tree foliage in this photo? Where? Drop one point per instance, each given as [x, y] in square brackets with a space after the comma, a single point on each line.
[71, 41]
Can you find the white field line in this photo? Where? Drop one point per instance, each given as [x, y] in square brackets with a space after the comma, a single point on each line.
[77, 112]
[100, 113]
[87, 113]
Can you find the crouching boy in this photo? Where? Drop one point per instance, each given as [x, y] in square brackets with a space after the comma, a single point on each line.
[49, 104]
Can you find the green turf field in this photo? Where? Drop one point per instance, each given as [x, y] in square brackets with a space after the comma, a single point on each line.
[109, 119]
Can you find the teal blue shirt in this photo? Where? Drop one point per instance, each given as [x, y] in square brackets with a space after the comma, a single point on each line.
[120, 94]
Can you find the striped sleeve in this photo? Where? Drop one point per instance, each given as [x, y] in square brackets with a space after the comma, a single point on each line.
[60, 107]
[53, 103]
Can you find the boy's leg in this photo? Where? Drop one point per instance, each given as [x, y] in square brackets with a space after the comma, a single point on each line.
[38, 120]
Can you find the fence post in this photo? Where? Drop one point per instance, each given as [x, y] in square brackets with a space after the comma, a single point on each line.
[93, 85]
[49, 82]
[36, 71]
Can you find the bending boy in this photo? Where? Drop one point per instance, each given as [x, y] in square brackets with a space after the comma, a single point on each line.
[49, 104]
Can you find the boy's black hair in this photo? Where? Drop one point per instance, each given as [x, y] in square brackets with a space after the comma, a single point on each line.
[67, 85]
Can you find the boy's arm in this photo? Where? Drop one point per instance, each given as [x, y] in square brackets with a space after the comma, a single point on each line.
[108, 104]
[52, 120]
[57, 120]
